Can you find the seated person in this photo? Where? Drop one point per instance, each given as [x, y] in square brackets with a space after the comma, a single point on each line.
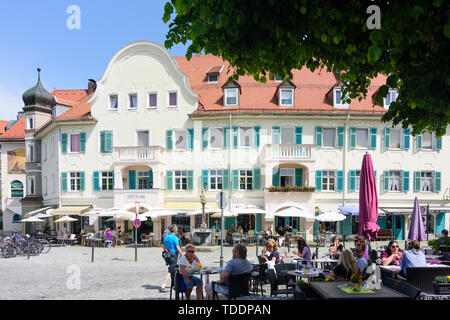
[238, 265]
[345, 267]
[288, 228]
[392, 255]
[108, 237]
[336, 246]
[444, 238]
[282, 233]
[412, 257]
[361, 262]
[188, 263]
[303, 249]
[270, 253]
[361, 241]
[268, 233]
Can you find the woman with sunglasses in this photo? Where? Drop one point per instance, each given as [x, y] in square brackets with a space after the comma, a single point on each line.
[188, 264]
[392, 255]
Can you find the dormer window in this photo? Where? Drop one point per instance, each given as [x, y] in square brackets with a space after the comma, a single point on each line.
[286, 94]
[277, 78]
[213, 78]
[213, 74]
[338, 98]
[231, 97]
[391, 97]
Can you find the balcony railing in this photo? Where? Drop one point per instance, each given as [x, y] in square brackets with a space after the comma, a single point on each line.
[294, 151]
[137, 153]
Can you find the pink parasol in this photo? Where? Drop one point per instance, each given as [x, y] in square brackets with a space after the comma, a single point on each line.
[368, 201]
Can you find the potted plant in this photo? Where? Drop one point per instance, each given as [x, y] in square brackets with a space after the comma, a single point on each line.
[441, 285]
[440, 244]
[302, 290]
[356, 280]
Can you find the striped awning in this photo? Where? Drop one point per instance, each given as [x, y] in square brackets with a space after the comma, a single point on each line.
[70, 210]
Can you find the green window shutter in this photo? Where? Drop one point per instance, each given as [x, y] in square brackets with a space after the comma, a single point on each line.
[205, 179]
[235, 137]
[438, 143]
[276, 178]
[150, 179]
[235, 180]
[64, 181]
[319, 136]
[102, 141]
[405, 183]
[226, 137]
[259, 222]
[340, 137]
[96, 178]
[416, 181]
[257, 136]
[132, 179]
[437, 181]
[385, 181]
[419, 141]
[83, 142]
[276, 136]
[340, 180]
[406, 138]
[82, 179]
[226, 179]
[64, 143]
[352, 180]
[109, 141]
[204, 138]
[256, 179]
[190, 134]
[190, 180]
[298, 177]
[298, 135]
[387, 132]
[169, 180]
[440, 223]
[352, 137]
[319, 180]
[373, 138]
[169, 141]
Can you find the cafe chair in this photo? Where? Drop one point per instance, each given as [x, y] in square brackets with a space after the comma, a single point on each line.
[274, 291]
[237, 286]
[408, 289]
[283, 276]
[258, 277]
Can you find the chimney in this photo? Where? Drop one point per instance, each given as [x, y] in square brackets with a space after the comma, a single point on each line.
[92, 86]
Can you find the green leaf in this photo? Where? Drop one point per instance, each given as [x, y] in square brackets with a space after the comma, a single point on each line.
[374, 53]
[447, 29]
[303, 10]
[376, 36]
[168, 10]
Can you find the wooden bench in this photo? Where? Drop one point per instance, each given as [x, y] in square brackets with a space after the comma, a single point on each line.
[385, 235]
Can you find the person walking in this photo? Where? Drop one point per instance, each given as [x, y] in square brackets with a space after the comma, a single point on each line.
[172, 246]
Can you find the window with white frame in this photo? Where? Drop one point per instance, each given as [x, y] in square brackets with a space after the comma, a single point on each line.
[216, 137]
[180, 139]
[30, 123]
[75, 181]
[143, 180]
[180, 180]
[362, 138]
[395, 181]
[391, 97]
[133, 101]
[427, 140]
[328, 180]
[216, 179]
[173, 99]
[286, 97]
[339, 99]
[246, 136]
[107, 180]
[287, 177]
[231, 96]
[75, 143]
[277, 78]
[143, 139]
[395, 138]
[426, 181]
[31, 186]
[113, 102]
[152, 100]
[30, 153]
[329, 137]
[357, 180]
[245, 179]
[287, 136]
[213, 78]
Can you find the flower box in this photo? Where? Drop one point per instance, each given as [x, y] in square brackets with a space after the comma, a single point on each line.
[291, 189]
[441, 288]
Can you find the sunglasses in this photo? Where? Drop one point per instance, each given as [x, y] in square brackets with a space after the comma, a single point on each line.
[394, 246]
[190, 251]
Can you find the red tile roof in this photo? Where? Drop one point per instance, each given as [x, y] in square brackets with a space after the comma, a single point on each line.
[3, 125]
[309, 96]
[80, 110]
[17, 131]
[68, 97]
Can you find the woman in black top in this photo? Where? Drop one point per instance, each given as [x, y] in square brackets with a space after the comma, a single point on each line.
[336, 246]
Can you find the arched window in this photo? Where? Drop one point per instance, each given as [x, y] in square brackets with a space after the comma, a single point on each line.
[16, 189]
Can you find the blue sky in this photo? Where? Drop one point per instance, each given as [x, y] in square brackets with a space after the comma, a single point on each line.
[34, 33]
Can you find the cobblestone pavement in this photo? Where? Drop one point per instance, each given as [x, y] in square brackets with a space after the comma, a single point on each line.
[113, 275]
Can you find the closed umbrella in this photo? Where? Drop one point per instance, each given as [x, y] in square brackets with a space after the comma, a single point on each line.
[368, 202]
[417, 230]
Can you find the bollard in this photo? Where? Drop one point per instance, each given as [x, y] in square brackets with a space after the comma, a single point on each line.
[92, 242]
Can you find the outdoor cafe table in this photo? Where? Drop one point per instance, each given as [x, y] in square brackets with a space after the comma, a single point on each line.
[206, 272]
[312, 273]
[331, 291]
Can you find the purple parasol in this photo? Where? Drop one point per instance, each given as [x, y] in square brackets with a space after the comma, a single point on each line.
[368, 201]
[417, 230]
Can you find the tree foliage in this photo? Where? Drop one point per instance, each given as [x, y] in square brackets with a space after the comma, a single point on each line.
[267, 37]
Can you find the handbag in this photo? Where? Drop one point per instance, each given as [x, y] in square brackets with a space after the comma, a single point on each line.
[169, 257]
